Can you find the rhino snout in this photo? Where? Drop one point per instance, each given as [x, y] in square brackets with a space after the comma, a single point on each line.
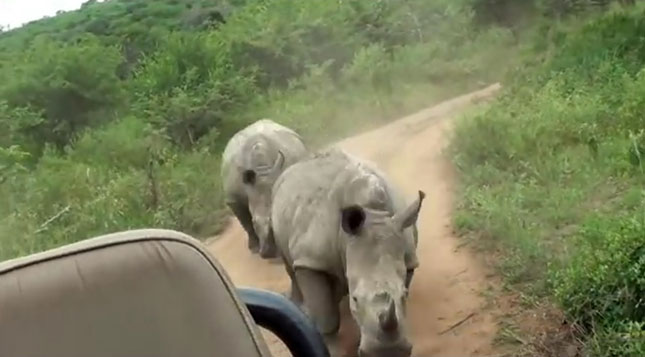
[402, 348]
[267, 248]
[388, 321]
[384, 334]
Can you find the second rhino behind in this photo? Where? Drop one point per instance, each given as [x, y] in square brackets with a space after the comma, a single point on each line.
[252, 160]
[342, 229]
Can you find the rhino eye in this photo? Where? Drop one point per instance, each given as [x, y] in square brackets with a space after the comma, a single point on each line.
[248, 177]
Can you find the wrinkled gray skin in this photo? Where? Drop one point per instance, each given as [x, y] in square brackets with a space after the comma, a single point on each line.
[342, 229]
[252, 160]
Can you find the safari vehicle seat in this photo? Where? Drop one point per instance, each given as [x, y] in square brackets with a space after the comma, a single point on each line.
[141, 293]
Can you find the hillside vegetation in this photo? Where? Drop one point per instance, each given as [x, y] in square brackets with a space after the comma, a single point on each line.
[114, 116]
[553, 175]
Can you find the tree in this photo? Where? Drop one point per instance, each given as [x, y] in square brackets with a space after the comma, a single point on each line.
[73, 86]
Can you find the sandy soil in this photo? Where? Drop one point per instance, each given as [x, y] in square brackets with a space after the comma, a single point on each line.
[447, 288]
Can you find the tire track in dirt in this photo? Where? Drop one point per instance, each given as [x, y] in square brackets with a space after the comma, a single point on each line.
[447, 287]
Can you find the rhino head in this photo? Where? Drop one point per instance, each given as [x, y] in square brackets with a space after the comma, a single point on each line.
[376, 276]
[263, 166]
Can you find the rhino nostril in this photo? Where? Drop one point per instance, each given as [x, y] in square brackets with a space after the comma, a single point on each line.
[382, 296]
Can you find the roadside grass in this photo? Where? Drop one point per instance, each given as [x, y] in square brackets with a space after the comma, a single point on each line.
[553, 180]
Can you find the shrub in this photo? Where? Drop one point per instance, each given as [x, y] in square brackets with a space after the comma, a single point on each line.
[626, 339]
[552, 173]
[604, 282]
[191, 87]
[124, 126]
[73, 86]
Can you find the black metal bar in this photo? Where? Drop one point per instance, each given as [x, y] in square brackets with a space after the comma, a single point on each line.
[282, 317]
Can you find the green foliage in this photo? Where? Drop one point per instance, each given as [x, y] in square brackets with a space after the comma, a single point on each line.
[191, 86]
[513, 12]
[627, 339]
[330, 32]
[561, 147]
[16, 124]
[122, 145]
[71, 86]
[11, 162]
[115, 116]
[122, 176]
[141, 23]
[604, 282]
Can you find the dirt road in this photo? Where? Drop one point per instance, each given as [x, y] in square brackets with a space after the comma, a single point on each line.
[446, 311]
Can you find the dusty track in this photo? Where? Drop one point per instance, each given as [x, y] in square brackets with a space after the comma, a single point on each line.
[447, 286]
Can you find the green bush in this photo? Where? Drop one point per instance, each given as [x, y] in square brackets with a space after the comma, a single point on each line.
[627, 339]
[17, 125]
[99, 188]
[191, 87]
[115, 116]
[72, 86]
[63, 201]
[561, 147]
[604, 282]
[122, 145]
[191, 194]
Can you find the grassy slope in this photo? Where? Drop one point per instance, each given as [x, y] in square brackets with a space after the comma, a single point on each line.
[113, 122]
[114, 20]
[553, 174]
[100, 150]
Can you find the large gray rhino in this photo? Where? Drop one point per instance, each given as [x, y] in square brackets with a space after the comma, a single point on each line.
[252, 160]
[342, 229]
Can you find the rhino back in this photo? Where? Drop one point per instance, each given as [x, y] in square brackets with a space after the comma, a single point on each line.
[263, 126]
[308, 198]
[282, 137]
[305, 214]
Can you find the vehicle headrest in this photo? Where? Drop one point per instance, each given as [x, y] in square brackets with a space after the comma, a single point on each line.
[140, 293]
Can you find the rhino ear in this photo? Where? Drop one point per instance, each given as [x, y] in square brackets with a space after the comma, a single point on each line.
[248, 177]
[408, 217]
[352, 219]
[277, 166]
[279, 162]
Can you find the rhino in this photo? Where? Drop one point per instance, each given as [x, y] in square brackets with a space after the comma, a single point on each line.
[342, 229]
[251, 162]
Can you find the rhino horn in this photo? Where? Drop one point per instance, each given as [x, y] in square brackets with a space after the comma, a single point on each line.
[387, 319]
[279, 162]
[406, 218]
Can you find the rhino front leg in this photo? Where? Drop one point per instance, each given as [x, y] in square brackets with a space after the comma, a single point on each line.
[408, 278]
[320, 304]
[295, 295]
[243, 215]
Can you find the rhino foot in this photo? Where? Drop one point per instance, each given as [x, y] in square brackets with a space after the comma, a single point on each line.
[268, 251]
[287, 294]
[334, 346]
[294, 299]
[275, 261]
[254, 245]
